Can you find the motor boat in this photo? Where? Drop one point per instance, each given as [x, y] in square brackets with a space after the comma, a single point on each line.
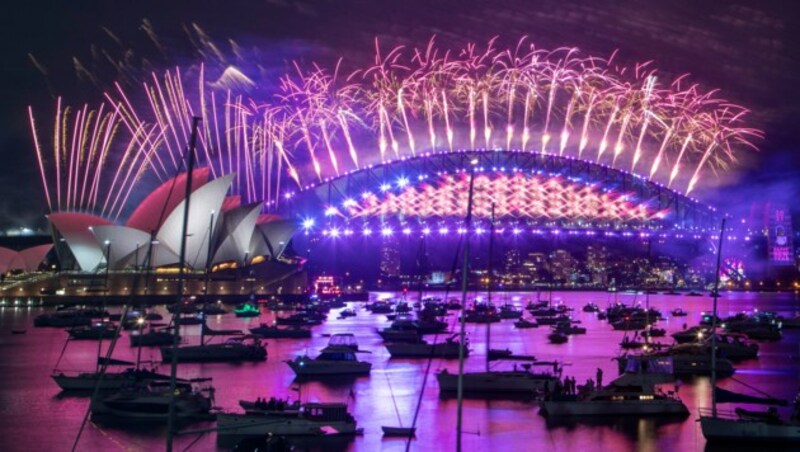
[152, 338]
[508, 311]
[247, 310]
[98, 330]
[331, 361]
[591, 307]
[525, 323]
[557, 338]
[678, 312]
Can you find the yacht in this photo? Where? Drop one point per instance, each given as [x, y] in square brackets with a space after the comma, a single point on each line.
[521, 380]
[247, 310]
[623, 397]
[591, 307]
[692, 334]
[741, 425]
[98, 330]
[691, 359]
[151, 403]
[312, 419]
[152, 338]
[422, 349]
[234, 349]
[64, 318]
[331, 361]
[86, 381]
[508, 311]
[275, 332]
[525, 323]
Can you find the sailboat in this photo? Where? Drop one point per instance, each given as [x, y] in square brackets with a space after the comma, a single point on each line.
[521, 380]
[743, 425]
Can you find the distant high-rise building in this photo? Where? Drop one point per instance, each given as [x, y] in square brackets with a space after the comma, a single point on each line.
[390, 258]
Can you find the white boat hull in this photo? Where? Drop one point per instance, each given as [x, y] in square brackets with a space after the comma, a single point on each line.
[720, 429]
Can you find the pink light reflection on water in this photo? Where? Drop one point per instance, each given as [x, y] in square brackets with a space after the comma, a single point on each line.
[30, 399]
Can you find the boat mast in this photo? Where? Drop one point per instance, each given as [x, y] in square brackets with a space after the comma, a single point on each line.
[181, 270]
[715, 293]
[208, 273]
[489, 291]
[462, 329]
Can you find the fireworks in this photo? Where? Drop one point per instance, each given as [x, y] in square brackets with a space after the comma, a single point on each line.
[320, 124]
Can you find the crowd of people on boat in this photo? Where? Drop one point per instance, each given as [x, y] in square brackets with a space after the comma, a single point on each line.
[273, 404]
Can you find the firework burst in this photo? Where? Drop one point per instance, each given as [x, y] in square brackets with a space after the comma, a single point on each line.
[319, 124]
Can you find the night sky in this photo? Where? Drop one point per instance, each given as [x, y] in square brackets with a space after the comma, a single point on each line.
[746, 49]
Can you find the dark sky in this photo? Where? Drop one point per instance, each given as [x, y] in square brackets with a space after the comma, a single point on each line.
[746, 49]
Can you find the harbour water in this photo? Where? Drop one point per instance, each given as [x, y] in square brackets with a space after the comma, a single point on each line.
[34, 414]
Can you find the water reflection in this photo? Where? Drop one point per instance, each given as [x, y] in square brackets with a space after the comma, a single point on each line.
[389, 396]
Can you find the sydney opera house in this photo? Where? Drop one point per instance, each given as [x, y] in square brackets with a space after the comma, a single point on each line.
[232, 249]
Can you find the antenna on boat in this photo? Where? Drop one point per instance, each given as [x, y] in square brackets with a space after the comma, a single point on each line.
[462, 329]
[715, 294]
[181, 270]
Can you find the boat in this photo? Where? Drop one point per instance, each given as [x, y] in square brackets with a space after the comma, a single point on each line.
[98, 330]
[312, 419]
[630, 324]
[399, 431]
[345, 313]
[275, 332]
[235, 349]
[211, 309]
[678, 312]
[208, 331]
[520, 381]
[347, 340]
[692, 334]
[557, 338]
[508, 311]
[422, 349]
[331, 361]
[151, 403]
[247, 310]
[744, 426]
[622, 397]
[569, 328]
[691, 359]
[525, 323]
[151, 338]
[654, 332]
[64, 318]
[88, 381]
[298, 319]
[591, 307]
[379, 307]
